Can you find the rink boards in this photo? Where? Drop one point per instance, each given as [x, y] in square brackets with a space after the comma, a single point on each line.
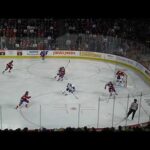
[137, 67]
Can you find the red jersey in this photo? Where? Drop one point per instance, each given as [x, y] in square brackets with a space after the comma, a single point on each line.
[120, 73]
[10, 64]
[62, 71]
[25, 97]
[110, 86]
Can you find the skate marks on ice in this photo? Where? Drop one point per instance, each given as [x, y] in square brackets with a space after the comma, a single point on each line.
[29, 121]
[23, 112]
[123, 121]
[64, 108]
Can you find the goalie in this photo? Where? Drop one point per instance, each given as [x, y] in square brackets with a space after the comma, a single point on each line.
[120, 78]
[60, 74]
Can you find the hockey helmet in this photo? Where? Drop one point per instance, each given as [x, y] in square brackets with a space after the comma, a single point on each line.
[27, 92]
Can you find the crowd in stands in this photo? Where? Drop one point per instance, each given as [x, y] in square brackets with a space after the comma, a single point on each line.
[119, 36]
[133, 29]
[27, 33]
[42, 33]
[85, 129]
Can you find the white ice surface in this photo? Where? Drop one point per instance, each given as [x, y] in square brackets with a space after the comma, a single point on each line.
[59, 111]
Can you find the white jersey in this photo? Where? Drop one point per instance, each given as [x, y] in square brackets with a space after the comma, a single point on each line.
[134, 106]
[70, 87]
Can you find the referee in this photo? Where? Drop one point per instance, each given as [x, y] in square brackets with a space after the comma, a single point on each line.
[133, 108]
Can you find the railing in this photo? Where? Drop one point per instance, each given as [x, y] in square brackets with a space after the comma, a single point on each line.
[75, 41]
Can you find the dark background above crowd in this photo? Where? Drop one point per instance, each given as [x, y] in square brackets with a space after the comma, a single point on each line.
[134, 29]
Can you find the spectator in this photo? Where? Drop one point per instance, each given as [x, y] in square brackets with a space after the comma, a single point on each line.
[17, 46]
[68, 43]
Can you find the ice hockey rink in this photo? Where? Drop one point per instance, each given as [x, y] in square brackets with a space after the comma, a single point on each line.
[49, 108]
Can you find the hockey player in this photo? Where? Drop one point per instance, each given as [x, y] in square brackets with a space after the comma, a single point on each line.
[43, 53]
[133, 108]
[111, 88]
[69, 89]
[23, 99]
[120, 75]
[61, 73]
[9, 66]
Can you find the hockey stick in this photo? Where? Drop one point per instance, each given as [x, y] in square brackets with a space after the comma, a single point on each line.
[64, 93]
[67, 64]
[75, 96]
